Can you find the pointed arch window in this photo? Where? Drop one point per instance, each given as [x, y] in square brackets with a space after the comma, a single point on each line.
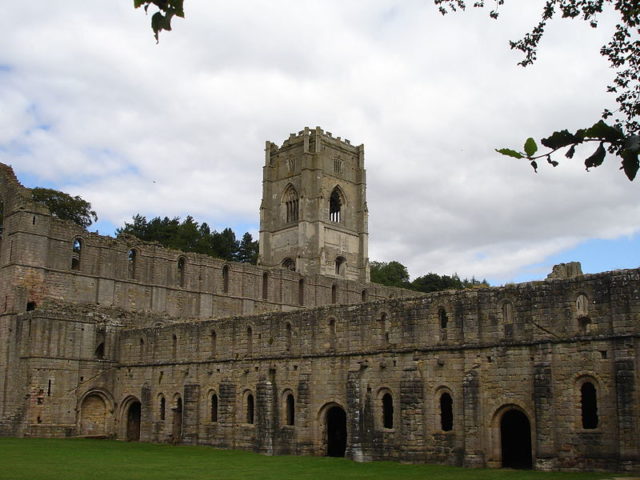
[214, 407]
[292, 204]
[250, 409]
[335, 206]
[76, 253]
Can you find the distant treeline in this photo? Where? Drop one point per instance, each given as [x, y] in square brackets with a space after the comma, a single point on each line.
[394, 274]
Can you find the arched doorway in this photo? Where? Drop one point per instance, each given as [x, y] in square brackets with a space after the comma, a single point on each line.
[134, 412]
[93, 416]
[336, 431]
[515, 440]
[176, 432]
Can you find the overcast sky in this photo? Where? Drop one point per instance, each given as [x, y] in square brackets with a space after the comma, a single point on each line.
[89, 104]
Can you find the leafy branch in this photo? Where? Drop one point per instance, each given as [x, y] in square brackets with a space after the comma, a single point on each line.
[167, 9]
[610, 139]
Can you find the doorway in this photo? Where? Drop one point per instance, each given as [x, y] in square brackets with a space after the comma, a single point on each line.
[133, 421]
[515, 438]
[336, 428]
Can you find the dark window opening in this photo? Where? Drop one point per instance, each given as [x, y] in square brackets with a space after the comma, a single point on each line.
[174, 346]
[365, 295]
[131, 263]
[225, 279]
[177, 421]
[515, 439]
[291, 413]
[288, 337]
[289, 264]
[250, 409]
[334, 293]
[341, 266]
[336, 431]
[584, 323]
[76, 254]
[181, 268]
[163, 408]
[301, 292]
[49, 388]
[141, 348]
[446, 412]
[214, 408]
[444, 320]
[291, 204]
[335, 206]
[589, 406]
[387, 410]
[31, 306]
[214, 343]
[99, 353]
[265, 286]
[133, 422]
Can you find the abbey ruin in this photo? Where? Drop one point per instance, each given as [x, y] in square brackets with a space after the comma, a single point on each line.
[115, 337]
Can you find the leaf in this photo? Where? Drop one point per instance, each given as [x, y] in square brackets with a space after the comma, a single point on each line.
[597, 158]
[605, 132]
[570, 152]
[630, 163]
[138, 3]
[530, 147]
[509, 152]
[560, 139]
[534, 164]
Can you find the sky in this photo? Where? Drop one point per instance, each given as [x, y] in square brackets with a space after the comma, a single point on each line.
[91, 105]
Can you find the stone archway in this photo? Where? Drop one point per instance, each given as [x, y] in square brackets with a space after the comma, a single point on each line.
[93, 416]
[335, 423]
[133, 417]
[176, 428]
[515, 440]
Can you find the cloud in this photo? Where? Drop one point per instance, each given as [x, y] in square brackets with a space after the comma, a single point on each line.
[91, 104]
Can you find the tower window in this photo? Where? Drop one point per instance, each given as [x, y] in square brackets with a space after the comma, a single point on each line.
[291, 201]
[335, 206]
[76, 254]
[341, 266]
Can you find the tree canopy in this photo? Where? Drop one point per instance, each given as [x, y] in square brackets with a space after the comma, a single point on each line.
[394, 274]
[190, 236]
[65, 207]
[619, 136]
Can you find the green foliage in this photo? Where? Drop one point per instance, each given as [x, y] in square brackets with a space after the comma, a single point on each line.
[65, 207]
[394, 274]
[627, 147]
[167, 9]
[190, 236]
[79, 459]
[623, 53]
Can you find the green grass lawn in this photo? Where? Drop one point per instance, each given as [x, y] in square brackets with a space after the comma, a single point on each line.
[43, 459]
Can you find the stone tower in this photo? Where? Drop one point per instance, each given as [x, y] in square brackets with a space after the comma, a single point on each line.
[313, 216]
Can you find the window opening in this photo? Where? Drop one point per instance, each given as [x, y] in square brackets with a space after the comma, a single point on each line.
[365, 295]
[334, 293]
[265, 286]
[225, 279]
[99, 353]
[31, 306]
[444, 320]
[292, 204]
[589, 406]
[507, 312]
[76, 254]
[341, 264]
[288, 336]
[214, 408]
[181, 268]
[131, 263]
[291, 413]
[335, 206]
[163, 408]
[214, 343]
[174, 346]
[446, 412]
[250, 409]
[387, 410]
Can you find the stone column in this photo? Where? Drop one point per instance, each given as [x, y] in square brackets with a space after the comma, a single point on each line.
[191, 414]
[265, 416]
[412, 430]
[473, 452]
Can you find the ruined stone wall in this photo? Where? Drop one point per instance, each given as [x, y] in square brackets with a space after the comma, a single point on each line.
[527, 348]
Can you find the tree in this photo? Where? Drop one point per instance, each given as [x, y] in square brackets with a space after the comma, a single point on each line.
[623, 52]
[432, 282]
[392, 274]
[248, 249]
[65, 207]
[167, 9]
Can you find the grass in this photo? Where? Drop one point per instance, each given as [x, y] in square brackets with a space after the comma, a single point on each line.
[75, 459]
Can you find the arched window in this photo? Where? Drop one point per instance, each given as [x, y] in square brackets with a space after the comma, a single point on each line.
[365, 295]
[214, 343]
[291, 202]
[141, 348]
[341, 266]
[288, 335]
[301, 292]
[250, 409]
[99, 353]
[181, 267]
[332, 334]
[249, 340]
[582, 305]
[446, 412]
[163, 407]
[444, 320]
[131, 263]
[214, 407]
[387, 410]
[335, 205]
[290, 410]
[334, 293]
[225, 279]
[289, 264]
[589, 405]
[265, 286]
[76, 253]
[174, 346]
